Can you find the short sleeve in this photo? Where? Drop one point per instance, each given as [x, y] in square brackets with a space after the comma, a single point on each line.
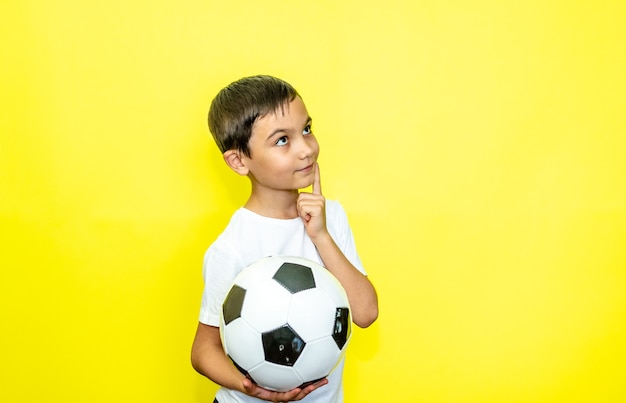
[220, 267]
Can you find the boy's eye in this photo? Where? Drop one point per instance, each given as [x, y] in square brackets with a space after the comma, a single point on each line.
[282, 141]
[307, 130]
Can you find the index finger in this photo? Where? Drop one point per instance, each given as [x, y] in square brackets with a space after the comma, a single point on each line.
[317, 185]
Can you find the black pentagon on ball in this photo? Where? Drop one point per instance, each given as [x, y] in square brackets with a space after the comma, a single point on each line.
[282, 346]
[342, 329]
[231, 308]
[295, 277]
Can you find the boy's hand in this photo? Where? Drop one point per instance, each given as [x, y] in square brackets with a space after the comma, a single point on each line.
[312, 208]
[292, 395]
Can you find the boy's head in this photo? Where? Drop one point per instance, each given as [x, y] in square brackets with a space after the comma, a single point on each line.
[236, 107]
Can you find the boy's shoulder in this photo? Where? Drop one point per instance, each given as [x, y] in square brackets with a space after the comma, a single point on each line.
[335, 211]
[333, 205]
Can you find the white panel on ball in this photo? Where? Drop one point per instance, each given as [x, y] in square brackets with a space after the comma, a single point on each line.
[312, 314]
[317, 352]
[276, 377]
[243, 344]
[266, 305]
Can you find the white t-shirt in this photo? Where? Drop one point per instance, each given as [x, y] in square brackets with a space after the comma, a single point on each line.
[249, 237]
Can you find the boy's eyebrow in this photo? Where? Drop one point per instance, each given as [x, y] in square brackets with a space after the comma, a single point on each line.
[281, 130]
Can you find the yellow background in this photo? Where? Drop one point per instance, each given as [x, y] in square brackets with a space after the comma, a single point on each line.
[478, 146]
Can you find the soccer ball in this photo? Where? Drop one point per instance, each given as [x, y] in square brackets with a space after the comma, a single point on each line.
[285, 322]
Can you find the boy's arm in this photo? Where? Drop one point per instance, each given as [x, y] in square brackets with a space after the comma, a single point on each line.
[209, 359]
[361, 292]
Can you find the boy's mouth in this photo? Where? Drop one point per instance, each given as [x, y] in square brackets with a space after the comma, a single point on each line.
[306, 168]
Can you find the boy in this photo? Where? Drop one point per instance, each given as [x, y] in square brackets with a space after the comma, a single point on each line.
[262, 127]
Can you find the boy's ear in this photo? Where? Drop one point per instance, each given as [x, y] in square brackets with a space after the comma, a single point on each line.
[235, 162]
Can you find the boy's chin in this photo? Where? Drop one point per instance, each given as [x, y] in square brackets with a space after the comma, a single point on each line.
[306, 185]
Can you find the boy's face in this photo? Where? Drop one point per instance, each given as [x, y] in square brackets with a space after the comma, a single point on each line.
[283, 149]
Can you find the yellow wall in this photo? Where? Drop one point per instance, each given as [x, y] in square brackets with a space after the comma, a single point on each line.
[478, 146]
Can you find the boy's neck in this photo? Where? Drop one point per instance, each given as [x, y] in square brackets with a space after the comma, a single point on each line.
[281, 205]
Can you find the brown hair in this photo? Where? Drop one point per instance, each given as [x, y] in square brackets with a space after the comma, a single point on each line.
[237, 106]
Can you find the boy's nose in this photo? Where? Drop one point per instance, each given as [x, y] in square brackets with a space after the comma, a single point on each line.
[305, 150]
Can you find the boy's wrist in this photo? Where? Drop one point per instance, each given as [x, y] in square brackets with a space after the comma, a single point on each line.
[326, 246]
[322, 239]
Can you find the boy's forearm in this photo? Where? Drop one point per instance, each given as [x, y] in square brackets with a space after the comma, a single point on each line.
[361, 292]
[208, 359]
